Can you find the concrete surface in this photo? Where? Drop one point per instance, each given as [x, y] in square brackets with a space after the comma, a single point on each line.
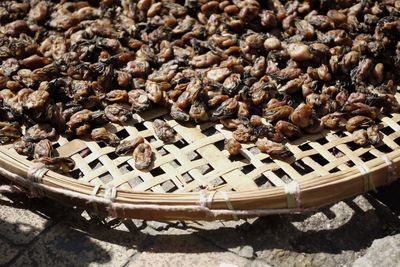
[363, 231]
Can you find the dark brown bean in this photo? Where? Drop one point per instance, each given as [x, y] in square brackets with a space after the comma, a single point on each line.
[275, 150]
[163, 131]
[43, 148]
[304, 66]
[142, 156]
[128, 146]
[232, 146]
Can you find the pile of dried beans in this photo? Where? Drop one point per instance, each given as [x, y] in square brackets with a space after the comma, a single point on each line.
[271, 71]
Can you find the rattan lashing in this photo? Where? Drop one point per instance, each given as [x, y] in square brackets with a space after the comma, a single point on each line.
[195, 178]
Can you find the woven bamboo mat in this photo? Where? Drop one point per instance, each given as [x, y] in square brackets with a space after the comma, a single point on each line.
[326, 167]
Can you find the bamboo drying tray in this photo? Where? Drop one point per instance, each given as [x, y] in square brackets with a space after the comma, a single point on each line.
[195, 178]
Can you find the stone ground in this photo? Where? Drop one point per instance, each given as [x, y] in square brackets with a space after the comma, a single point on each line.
[363, 231]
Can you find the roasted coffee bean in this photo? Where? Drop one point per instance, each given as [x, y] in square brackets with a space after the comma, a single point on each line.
[79, 118]
[142, 156]
[8, 132]
[277, 113]
[163, 131]
[39, 132]
[43, 148]
[128, 146]
[231, 124]
[118, 113]
[117, 96]
[25, 148]
[374, 136]
[139, 100]
[333, 121]
[232, 146]
[289, 130]
[102, 134]
[358, 122]
[299, 52]
[360, 137]
[57, 164]
[227, 109]
[243, 134]
[268, 131]
[275, 150]
[302, 115]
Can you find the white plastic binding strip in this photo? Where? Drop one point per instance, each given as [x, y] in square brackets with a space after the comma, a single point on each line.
[392, 170]
[111, 194]
[206, 200]
[229, 204]
[367, 179]
[292, 191]
[96, 189]
[35, 174]
[202, 199]
[210, 199]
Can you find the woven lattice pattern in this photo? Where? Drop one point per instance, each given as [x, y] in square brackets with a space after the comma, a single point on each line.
[197, 160]
[195, 178]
